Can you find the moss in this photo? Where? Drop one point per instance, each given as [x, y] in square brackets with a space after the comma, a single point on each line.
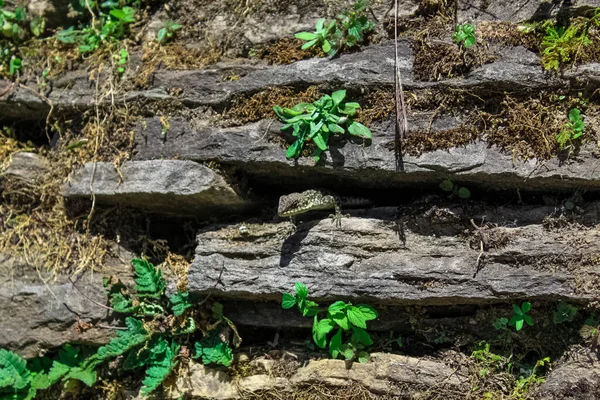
[286, 51]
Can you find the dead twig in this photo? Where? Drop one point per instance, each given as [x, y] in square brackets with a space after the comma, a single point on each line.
[214, 287]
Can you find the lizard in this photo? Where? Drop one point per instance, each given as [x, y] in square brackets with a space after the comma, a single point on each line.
[311, 200]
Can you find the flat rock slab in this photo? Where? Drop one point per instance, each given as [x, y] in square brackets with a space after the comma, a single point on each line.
[516, 69]
[375, 259]
[258, 151]
[165, 186]
[41, 314]
[576, 379]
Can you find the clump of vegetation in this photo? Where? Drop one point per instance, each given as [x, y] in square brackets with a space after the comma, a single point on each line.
[346, 31]
[158, 329]
[464, 35]
[521, 316]
[566, 43]
[455, 190]
[167, 32]
[110, 25]
[572, 131]
[350, 321]
[318, 120]
[564, 313]
[15, 29]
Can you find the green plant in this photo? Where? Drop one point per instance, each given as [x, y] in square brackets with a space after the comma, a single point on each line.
[316, 121]
[572, 131]
[448, 186]
[562, 44]
[500, 324]
[487, 361]
[167, 32]
[346, 31]
[521, 316]
[564, 313]
[464, 35]
[154, 344]
[109, 27]
[350, 321]
[121, 59]
[528, 378]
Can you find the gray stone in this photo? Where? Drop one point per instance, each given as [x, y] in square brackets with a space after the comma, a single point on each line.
[26, 166]
[256, 150]
[475, 11]
[41, 311]
[577, 379]
[378, 260]
[165, 186]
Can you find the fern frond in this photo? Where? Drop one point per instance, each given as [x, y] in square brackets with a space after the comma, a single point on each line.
[179, 303]
[125, 341]
[212, 349]
[69, 366]
[188, 326]
[15, 372]
[161, 367]
[149, 281]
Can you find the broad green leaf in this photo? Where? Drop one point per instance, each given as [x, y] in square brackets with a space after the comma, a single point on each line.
[519, 324]
[368, 312]
[319, 25]
[341, 319]
[288, 301]
[358, 129]
[447, 185]
[361, 336]
[348, 352]
[517, 309]
[301, 290]
[320, 331]
[335, 128]
[356, 317]
[179, 303]
[338, 97]
[162, 34]
[310, 308]
[464, 193]
[326, 46]
[294, 150]
[575, 115]
[320, 142]
[306, 36]
[335, 344]
[338, 306]
[363, 357]
[526, 306]
[528, 320]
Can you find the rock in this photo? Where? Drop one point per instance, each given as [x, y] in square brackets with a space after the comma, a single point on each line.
[376, 260]
[38, 315]
[55, 12]
[165, 186]
[204, 382]
[574, 380]
[475, 11]
[385, 374]
[26, 166]
[255, 150]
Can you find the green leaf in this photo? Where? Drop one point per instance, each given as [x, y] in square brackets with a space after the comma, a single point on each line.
[320, 142]
[14, 369]
[368, 312]
[348, 352]
[335, 128]
[341, 319]
[310, 308]
[288, 301]
[301, 290]
[294, 150]
[37, 26]
[335, 344]
[525, 307]
[308, 45]
[179, 303]
[361, 336]
[528, 320]
[326, 46]
[338, 306]
[356, 317]
[575, 115]
[149, 281]
[469, 41]
[363, 357]
[517, 309]
[162, 364]
[464, 193]
[358, 129]
[338, 97]
[519, 324]
[15, 65]
[319, 24]
[213, 350]
[125, 341]
[447, 185]
[320, 331]
[306, 36]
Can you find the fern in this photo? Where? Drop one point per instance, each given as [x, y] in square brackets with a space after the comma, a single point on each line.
[69, 366]
[214, 350]
[13, 370]
[125, 341]
[149, 281]
[162, 362]
[179, 303]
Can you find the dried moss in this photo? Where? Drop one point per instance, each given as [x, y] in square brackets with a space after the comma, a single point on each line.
[418, 143]
[286, 51]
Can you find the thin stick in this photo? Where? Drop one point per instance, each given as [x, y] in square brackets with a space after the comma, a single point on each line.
[213, 288]
[400, 104]
[87, 298]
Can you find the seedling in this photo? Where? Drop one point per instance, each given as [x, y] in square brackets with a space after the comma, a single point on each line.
[464, 35]
[500, 324]
[564, 313]
[316, 121]
[521, 316]
[121, 59]
[572, 131]
[448, 186]
[350, 321]
[348, 30]
[167, 32]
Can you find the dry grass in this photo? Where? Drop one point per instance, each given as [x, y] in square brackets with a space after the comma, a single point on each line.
[286, 51]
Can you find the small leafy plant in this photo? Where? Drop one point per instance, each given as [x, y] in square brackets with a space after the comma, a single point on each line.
[455, 190]
[521, 316]
[121, 59]
[346, 31]
[561, 44]
[109, 28]
[564, 313]
[349, 322]
[464, 35]
[167, 32]
[318, 120]
[572, 132]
